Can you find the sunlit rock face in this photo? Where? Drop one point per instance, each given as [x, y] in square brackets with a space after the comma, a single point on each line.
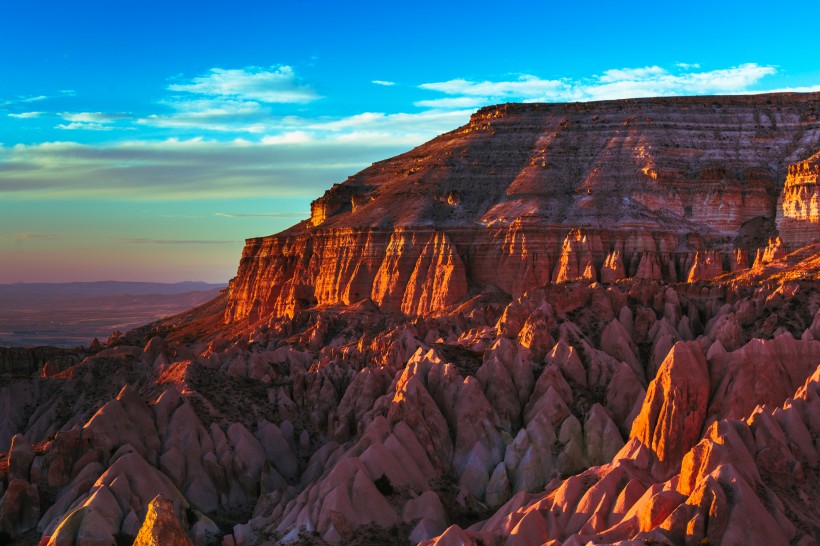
[664, 189]
[798, 209]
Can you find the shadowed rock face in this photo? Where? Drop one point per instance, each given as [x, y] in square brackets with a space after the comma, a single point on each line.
[665, 184]
[388, 375]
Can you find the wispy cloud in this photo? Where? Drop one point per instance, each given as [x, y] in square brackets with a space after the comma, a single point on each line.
[612, 84]
[184, 169]
[452, 102]
[75, 126]
[28, 99]
[21, 237]
[148, 241]
[232, 100]
[804, 89]
[93, 117]
[276, 84]
[263, 214]
[385, 83]
[92, 121]
[26, 115]
[290, 137]
[223, 115]
[404, 127]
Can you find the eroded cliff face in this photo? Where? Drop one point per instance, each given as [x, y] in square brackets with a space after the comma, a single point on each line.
[798, 209]
[675, 189]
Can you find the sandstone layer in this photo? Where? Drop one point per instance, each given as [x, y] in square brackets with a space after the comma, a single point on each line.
[528, 194]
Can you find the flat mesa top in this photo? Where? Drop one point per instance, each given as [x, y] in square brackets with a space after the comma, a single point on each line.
[647, 162]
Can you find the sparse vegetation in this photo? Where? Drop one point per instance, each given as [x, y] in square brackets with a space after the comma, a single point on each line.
[384, 486]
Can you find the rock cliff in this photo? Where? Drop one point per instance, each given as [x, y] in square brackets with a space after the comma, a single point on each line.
[525, 194]
[475, 353]
[798, 209]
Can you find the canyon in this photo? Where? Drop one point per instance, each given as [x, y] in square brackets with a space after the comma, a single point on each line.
[586, 323]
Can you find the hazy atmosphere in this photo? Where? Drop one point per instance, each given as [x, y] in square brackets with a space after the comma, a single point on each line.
[146, 141]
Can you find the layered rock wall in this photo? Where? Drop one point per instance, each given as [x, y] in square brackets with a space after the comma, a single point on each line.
[525, 194]
[418, 271]
[798, 209]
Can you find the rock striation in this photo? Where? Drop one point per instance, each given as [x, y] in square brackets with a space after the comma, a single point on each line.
[798, 209]
[528, 194]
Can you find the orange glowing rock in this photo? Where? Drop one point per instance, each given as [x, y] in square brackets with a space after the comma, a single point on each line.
[675, 406]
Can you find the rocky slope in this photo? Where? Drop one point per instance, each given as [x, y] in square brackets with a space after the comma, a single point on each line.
[396, 375]
[675, 189]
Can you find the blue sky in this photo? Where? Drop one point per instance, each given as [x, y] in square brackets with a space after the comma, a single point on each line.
[146, 140]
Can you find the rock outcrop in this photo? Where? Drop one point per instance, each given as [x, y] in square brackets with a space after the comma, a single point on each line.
[798, 209]
[528, 194]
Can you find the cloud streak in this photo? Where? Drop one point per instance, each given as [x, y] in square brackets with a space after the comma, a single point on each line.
[26, 115]
[184, 169]
[74, 126]
[148, 241]
[93, 117]
[276, 84]
[618, 83]
[21, 237]
[232, 100]
[262, 214]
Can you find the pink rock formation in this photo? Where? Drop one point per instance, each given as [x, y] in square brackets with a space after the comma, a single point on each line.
[798, 208]
[774, 251]
[674, 410]
[162, 526]
[707, 265]
[438, 279]
[613, 268]
[575, 261]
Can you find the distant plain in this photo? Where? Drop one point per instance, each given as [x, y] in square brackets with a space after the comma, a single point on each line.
[72, 314]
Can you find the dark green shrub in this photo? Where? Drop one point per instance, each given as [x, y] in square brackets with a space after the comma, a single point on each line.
[384, 486]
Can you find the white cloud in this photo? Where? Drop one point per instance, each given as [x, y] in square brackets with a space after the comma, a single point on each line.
[385, 83]
[452, 102]
[36, 98]
[804, 89]
[523, 86]
[27, 115]
[613, 84]
[92, 117]
[32, 98]
[224, 115]
[232, 100]
[628, 74]
[292, 137]
[277, 84]
[430, 123]
[74, 126]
